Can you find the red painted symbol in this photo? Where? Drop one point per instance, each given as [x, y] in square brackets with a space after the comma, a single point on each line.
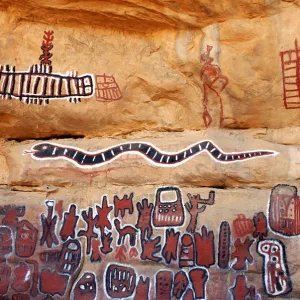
[214, 81]
[69, 257]
[107, 88]
[20, 297]
[85, 288]
[89, 232]
[48, 224]
[5, 273]
[240, 291]
[5, 240]
[26, 239]
[11, 212]
[260, 225]
[121, 253]
[199, 278]
[46, 47]
[193, 208]
[59, 208]
[275, 269]
[242, 254]
[53, 283]
[180, 284]
[96, 255]
[21, 282]
[284, 210]
[291, 77]
[69, 223]
[163, 285]
[242, 226]
[133, 252]
[189, 295]
[150, 248]
[128, 230]
[144, 218]
[106, 243]
[224, 245]
[187, 251]
[168, 210]
[205, 248]
[123, 205]
[142, 289]
[120, 281]
[103, 212]
[35, 277]
[169, 250]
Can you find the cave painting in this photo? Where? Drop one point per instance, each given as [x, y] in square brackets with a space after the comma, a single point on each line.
[86, 159]
[135, 257]
[39, 85]
[213, 80]
[284, 210]
[47, 45]
[168, 213]
[276, 276]
[291, 77]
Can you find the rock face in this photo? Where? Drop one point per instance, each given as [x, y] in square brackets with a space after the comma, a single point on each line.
[149, 149]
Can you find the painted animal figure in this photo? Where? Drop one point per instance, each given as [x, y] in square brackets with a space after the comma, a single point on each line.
[154, 155]
[126, 230]
[38, 85]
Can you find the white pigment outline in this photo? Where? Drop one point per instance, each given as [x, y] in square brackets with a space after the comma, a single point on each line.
[91, 153]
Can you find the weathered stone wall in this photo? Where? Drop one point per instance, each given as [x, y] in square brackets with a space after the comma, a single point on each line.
[166, 88]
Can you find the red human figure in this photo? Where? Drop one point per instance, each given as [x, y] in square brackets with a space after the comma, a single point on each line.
[124, 231]
[89, 233]
[95, 256]
[150, 248]
[121, 253]
[193, 208]
[123, 205]
[142, 289]
[187, 251]
[205, 248]
[213, 80]
[239, 290]
[21, 282]
[144, 218]
[242, 254]
[169, 250]
[199, 277]
[181, 282]
[5, 273]
[261, 226]
[163, 285]
[48, 224]
[69, 223]
[106, 243]
[242, 226]
[103, 212]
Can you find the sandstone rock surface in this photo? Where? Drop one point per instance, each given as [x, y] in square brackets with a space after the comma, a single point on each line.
[166, 73]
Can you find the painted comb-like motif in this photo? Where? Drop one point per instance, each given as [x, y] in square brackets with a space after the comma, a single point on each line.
[38, 85]
[275, 270]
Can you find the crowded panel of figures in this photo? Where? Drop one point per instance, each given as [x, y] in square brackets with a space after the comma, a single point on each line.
[48, 257]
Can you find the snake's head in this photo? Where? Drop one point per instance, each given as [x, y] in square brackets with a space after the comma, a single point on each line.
[41, 150]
